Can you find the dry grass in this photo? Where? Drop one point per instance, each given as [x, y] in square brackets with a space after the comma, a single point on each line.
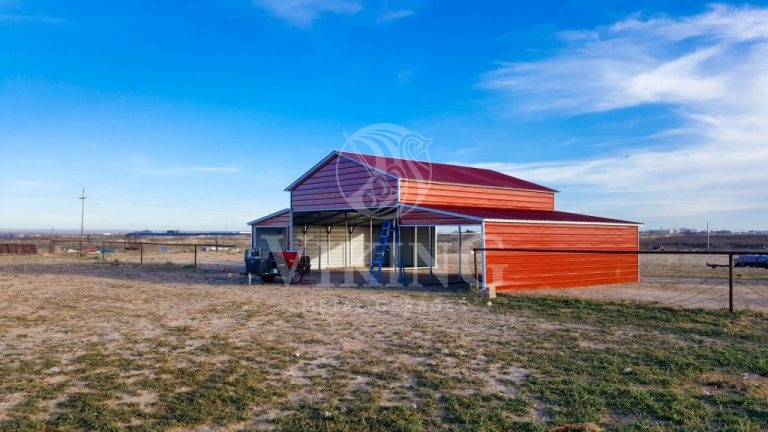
[90, 345]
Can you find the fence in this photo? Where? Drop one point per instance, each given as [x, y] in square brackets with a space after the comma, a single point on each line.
[708, 278]
[150, 252]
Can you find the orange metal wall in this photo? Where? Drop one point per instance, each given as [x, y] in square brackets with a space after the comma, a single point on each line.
[428, 193]
[531, 270]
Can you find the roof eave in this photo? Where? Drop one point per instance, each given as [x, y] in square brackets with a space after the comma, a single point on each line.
[269, 216]
[543, 189]
[311, 171]
[570, 222]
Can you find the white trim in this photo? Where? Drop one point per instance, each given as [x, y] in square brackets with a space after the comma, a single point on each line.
[553, 222]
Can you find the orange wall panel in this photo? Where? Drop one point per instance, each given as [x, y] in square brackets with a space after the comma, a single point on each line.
[428, 193]
[508, 270]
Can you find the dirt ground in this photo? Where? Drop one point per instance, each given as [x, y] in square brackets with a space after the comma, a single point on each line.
[61, 309]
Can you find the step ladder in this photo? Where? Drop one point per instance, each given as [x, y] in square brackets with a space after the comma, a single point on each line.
[377, 258]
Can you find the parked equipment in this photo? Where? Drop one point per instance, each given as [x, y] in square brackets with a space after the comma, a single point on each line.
[751, 261]
[269, 265]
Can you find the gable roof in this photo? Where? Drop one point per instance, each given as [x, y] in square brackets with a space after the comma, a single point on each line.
[430, 171]
[270, 216]
[520, 215]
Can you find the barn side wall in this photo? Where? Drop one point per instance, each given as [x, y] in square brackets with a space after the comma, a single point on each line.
[344, 184]
[508, 271]
[440, 194]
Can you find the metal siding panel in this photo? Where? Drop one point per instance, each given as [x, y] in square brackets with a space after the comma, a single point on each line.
[444, 173]
[426, 193]
[279, 221]
[357, 251]
[421, 218]
[529, 270]
[342, 183]
[335, 256]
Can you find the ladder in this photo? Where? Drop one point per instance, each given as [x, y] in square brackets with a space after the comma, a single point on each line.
[377, 258]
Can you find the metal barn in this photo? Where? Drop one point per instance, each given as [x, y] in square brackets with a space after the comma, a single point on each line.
[451, 222]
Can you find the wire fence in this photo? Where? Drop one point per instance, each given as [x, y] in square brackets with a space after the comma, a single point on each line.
[192, 254]
[690, 279]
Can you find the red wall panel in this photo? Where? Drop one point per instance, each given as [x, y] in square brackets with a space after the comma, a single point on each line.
[507, 270]
[427, 193]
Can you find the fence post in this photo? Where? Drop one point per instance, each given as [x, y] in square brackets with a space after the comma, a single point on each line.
[730, 281]
[141, 253]
[195, 256]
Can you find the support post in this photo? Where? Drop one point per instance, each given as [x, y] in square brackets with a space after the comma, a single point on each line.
[141, 253]
[196, 255]
[459, 272]
[730, 282]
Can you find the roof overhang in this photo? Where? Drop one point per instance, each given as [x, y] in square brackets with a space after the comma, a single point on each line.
[520, 216]
[269, 216]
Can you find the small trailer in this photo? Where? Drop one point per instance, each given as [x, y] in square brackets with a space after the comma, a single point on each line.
[269, 265]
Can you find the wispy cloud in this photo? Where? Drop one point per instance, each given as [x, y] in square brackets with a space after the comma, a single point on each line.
[22, 18]
[710, 68]
[190, 170]
[393, 15]
[303, 13]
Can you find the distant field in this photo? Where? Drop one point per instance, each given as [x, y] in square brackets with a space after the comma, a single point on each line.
[90, 345]
[699, 241]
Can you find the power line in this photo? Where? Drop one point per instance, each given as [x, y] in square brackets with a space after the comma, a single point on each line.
[133, 203]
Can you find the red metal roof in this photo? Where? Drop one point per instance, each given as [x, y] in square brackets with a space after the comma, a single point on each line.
[443, 173]
[278, 218]
[522, 215]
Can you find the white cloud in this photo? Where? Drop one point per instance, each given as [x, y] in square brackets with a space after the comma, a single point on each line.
[303, 13]
[711, 68]
[392, 15]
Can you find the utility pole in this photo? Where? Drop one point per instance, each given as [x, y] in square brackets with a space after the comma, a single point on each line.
[82, 220]
[707, 234]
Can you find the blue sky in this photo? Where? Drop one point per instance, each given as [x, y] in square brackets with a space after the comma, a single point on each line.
[196, 115]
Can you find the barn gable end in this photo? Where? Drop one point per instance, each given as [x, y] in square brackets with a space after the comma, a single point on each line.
[342, 183]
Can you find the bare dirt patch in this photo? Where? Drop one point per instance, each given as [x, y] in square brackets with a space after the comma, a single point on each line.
[99, 345]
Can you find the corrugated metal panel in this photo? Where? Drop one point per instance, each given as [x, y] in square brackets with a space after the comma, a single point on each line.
[342, 183]
[529, 270]
[445, 173]
[332, 248]
[522, 215]
[418, 217]
[435, 194]
[281, 218]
